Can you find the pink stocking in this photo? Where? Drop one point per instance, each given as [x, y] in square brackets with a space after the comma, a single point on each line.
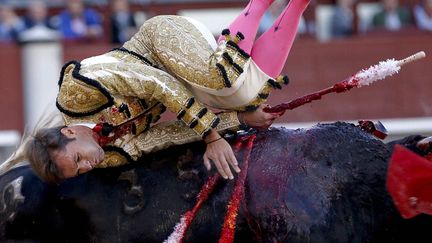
[248, 21]
[271, 50]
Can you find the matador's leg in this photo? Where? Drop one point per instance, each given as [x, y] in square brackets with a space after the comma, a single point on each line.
[271, 50]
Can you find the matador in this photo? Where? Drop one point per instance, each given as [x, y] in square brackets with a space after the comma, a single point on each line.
[111, 102]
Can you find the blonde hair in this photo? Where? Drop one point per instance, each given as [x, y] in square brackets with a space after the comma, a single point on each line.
[50, 118]
[38, 151]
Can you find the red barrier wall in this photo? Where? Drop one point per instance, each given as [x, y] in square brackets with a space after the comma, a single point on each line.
[313, 66]
[11, 102]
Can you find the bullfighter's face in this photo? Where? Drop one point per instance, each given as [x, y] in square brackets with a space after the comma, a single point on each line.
[81, 154]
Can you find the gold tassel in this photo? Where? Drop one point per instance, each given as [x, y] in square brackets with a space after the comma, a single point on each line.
[227, 34]
[239, 37]
[283, 80]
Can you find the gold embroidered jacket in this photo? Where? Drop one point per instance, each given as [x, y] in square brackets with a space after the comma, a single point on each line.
[166, 64]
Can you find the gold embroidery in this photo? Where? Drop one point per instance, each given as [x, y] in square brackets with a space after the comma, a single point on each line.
[164, 135]
[265, 91]
[77, 96]
[112, 159]
[205, 122]
[126, 57]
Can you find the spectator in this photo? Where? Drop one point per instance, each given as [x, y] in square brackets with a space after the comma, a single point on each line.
[123, 24]
[10, 24]
[423, 15]
[342, 19]
[78, 22]
[37, 15]
[392, 17]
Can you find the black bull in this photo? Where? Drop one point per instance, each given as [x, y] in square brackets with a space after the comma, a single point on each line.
[323, 184]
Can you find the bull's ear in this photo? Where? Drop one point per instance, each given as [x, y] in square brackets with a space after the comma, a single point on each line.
[69, 132]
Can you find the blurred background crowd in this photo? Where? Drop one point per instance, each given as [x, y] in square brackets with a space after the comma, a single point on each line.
[336, 38]
[73, 19]
[116, 20]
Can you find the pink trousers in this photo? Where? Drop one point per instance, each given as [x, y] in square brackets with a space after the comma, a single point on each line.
[271, 49]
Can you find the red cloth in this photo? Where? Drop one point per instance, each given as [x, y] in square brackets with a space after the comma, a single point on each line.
[409, 182]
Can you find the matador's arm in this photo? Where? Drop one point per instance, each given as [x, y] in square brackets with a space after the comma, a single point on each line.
[151, 84]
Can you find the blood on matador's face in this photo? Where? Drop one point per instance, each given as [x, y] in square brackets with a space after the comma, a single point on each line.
[81, 154]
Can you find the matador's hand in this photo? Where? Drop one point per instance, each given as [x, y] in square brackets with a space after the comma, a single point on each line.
[258, 119]
[220, 153]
